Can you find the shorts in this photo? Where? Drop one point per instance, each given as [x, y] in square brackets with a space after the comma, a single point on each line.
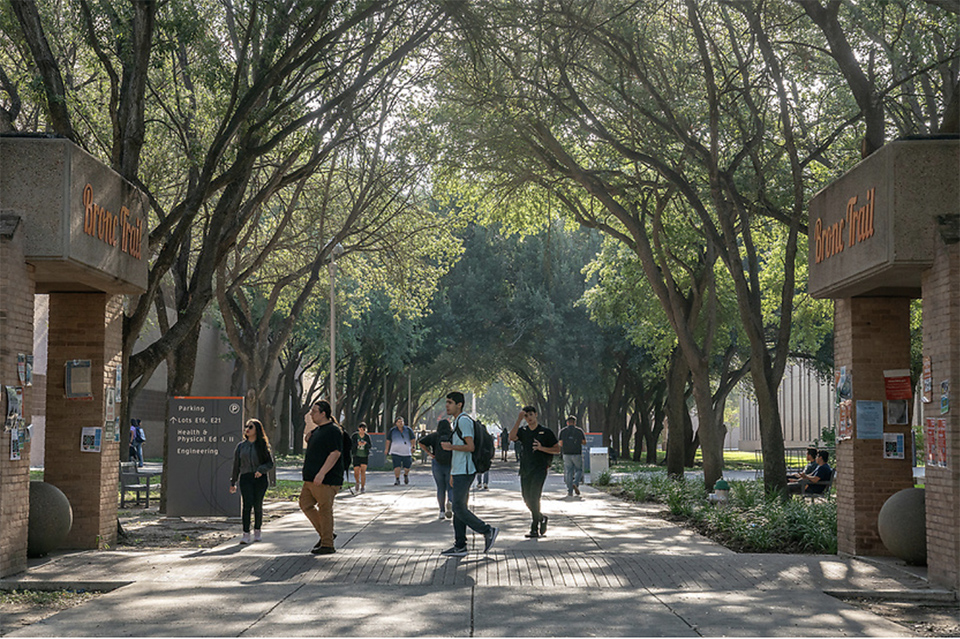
[359, 461]
[404, 461]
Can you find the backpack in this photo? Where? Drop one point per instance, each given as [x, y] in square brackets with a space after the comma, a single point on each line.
[483, 448]
[443, 457]
[345, 450]
[141, 436]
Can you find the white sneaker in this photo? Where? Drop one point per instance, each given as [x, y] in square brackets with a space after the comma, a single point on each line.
[245, 539]
[256, 535]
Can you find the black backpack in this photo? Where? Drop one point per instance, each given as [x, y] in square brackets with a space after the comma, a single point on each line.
[483, 447]
[345, 449]
[443, 457]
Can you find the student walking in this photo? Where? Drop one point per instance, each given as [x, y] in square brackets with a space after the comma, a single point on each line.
[462, 470]
[322, 475]
[440, 464]
[537, 446]
[251, 463]
[137, 439]
[399, 447]
[572, 440]
[360, 447]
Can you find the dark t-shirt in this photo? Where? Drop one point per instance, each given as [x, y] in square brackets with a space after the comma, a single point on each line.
[572, 439]
[532, 461]
[361, 446]
[432, 441]
[824, 473]
[323, 441]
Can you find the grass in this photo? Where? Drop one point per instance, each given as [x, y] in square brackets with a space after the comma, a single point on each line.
[289, 490]
[732, 460]
[750, 521]
[45, 598]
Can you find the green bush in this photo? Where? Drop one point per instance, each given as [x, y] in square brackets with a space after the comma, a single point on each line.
[603, 479]
[750, 521]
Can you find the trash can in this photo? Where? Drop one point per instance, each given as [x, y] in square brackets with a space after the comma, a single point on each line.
[599, 462]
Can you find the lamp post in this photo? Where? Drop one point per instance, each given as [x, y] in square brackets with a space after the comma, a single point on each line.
[337, 252]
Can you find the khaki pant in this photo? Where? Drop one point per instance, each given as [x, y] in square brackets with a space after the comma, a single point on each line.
[316, 502]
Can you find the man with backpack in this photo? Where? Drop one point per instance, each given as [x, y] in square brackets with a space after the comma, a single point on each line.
[463, 466]
[538, 445]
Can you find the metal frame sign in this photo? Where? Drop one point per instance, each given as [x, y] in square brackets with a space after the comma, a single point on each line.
[202, 436]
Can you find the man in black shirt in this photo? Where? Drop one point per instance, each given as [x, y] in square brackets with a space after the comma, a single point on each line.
[322, 475]
[572, 440]
[538, 446]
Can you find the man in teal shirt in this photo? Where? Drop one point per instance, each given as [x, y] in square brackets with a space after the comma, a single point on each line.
[462, 471]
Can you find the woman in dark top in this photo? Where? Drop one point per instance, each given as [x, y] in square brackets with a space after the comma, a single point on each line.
[360, 450]
[251, 463]
[441, 464]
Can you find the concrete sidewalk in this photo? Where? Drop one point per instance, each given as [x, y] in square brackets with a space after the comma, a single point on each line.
[606, 568]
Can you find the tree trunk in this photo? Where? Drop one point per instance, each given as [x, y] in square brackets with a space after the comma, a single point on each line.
[676, 412]
[181, 366]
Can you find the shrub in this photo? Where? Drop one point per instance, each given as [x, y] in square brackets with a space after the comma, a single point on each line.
[603, 479]
[750, 521]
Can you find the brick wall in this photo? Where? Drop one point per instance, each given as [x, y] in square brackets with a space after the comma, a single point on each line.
[941, 343]
[83, 326]
[16, 336]
[871, 335]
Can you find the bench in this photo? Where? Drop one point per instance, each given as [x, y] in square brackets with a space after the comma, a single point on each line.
[133, 481]
[811, 496]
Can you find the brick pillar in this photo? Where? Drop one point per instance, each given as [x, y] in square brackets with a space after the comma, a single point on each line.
[83, 326]
[941, 343]
[871, 334]
[16, 336]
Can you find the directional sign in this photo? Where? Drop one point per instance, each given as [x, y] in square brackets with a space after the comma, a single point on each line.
[202, 436]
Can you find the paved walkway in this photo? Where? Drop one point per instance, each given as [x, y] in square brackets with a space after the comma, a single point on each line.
[606, 568]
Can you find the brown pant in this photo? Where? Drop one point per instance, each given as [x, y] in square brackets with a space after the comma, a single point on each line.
[316, 502]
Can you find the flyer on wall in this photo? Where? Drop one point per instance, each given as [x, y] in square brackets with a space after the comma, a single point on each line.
[897, 384]
[926, 383]
[90, 437]
[941, 455]
[945, 397]
[930, 440]
[893, 446]
[845, 426]
[869, 419]
[898, 412]
[77, 376]
[111, 412]
[14, 445]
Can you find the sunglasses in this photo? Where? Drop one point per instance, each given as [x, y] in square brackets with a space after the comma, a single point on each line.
[248, 428]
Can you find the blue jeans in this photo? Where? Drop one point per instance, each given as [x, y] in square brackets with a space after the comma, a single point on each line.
[462, 517]
[572, 471]
[441, 475]
[483, 479]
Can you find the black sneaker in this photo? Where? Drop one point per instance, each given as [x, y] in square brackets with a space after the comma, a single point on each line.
[490, 538]
[533, 534]
[543, 525]
[324, 550]
[454, 552]
[406, 479]
[317, 545]
[397, 482]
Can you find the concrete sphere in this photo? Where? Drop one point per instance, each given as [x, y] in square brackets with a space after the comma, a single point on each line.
[50, 518]
[903, 526]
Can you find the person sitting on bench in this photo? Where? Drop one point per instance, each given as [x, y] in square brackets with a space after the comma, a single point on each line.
[816, 482]
[811, 466]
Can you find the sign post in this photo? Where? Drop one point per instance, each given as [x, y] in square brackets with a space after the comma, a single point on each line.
[203, 435]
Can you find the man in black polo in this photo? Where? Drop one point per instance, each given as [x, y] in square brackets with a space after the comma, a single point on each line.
[572, 440]
[538, 446]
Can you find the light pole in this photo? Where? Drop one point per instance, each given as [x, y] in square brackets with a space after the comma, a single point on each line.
[335, 253]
